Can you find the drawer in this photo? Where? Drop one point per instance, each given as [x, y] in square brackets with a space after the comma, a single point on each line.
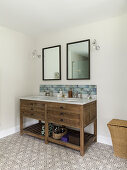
[64, 121]
[64, 107]
[64, 118]
[63, 114]
[34, 115]
[27, 105]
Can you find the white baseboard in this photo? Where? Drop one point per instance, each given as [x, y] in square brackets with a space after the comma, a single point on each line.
[13, 130]
[105, 140]
[7, 132]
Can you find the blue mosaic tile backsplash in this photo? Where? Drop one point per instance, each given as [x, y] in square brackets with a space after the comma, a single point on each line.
[84, 89]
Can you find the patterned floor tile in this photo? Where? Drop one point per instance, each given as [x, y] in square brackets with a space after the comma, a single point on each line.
[28, 153]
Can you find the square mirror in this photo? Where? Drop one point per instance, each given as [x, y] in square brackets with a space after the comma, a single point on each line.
[51, 61]
[78, 60]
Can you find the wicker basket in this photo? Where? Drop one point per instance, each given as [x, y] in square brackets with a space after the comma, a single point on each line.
[59, 135]
[118, 131]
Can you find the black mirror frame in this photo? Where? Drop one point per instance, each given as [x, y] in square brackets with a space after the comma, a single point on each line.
[67, 59]
[59, 62]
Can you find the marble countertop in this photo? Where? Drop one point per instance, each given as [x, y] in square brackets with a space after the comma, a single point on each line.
[77, 101]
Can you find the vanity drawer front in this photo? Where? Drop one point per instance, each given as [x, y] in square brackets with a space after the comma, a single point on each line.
[27, 105]
[64, 121]
[34, 115]
[63, 114]
[64, 107]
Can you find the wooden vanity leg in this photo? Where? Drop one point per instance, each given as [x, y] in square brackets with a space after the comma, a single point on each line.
[95, 130]
[82, 147]
[46, 126]
[21, 124]
[40, 121]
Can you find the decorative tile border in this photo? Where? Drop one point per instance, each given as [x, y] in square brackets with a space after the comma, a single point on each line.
[84, 89]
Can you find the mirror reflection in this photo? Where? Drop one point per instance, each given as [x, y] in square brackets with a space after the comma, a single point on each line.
[78, 60]
[52, 63]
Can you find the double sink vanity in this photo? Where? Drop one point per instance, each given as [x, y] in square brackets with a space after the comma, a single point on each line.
[69, 112]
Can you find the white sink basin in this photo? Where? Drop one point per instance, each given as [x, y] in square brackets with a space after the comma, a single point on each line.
[70, 99]
[55, 98]
[41, 97]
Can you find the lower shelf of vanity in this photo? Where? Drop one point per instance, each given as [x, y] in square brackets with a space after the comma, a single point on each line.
[35, 131]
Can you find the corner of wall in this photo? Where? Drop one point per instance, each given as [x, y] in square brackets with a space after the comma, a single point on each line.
[104, 140]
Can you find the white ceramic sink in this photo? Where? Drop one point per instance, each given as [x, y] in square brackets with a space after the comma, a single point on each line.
[70, 99]
[41, 97]
[54, 98]
[58, 100]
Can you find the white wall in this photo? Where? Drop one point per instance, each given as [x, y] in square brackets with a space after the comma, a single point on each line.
[16, 76]
[108, 67]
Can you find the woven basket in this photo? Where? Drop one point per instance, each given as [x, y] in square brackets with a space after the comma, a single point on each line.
[59, 135]
[118, 131]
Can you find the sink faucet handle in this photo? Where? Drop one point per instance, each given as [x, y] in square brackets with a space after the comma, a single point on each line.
[80, 95]
[51, 93]
[76, 94]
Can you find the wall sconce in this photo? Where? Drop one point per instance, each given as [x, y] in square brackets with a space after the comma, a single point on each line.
[95, 45]
[34, 54]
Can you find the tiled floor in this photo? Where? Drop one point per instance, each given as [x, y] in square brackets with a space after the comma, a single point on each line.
[28, 153]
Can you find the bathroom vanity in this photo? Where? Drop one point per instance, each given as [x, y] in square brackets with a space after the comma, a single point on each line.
[71, 113]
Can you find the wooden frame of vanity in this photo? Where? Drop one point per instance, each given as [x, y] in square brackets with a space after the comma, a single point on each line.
[70, 115]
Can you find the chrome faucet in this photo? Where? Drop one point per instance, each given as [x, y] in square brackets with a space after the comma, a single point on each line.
[47, 93]
[76, 95]
[89, 94]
